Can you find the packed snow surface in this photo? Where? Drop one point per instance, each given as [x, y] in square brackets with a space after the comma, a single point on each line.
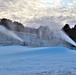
[20, 60]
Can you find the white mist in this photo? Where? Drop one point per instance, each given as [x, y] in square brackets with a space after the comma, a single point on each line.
[66, 38]
[9, 33]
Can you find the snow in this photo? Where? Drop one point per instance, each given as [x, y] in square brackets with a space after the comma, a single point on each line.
[9, 33]
[65, 37]
[20, 60]
[43, 37]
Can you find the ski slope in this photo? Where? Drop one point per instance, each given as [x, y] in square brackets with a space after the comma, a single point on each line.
[20, 60]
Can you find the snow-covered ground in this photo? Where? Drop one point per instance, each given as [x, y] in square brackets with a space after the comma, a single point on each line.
[20, 60]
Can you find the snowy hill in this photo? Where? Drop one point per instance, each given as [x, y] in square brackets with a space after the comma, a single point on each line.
[18, 60]
[32, 41]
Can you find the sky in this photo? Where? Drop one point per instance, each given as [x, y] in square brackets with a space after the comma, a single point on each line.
[58, 3]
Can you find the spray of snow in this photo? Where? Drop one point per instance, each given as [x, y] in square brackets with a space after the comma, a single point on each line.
[9, 33]
[67, 39]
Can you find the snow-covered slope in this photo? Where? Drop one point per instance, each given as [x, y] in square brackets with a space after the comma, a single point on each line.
[22, 60]
[18, 60]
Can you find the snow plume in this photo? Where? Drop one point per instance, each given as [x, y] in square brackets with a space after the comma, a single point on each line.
[9, 33]
[67, 39]
[56, 35]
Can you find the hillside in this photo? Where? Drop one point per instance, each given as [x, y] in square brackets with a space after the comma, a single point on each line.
[18, 60]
